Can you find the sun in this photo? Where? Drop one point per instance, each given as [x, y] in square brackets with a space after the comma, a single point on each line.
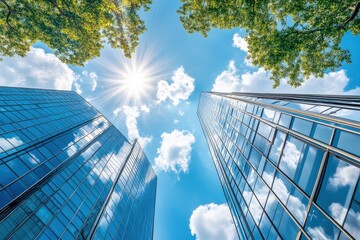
[132, 81]
[135, 82]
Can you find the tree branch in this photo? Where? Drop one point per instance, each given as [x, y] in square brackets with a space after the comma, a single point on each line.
[10, 10]
[352, 17]
[54, 3]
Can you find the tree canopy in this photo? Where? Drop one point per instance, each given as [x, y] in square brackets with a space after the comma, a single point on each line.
[292, 39]
[75, 29]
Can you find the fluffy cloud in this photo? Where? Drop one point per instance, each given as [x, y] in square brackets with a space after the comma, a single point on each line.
[37, 70]
[338, 212]
[352, 223]
[344, 176]
[174, 152]
[318, 233]
[131, 116]
[227, 81]
[259, 81]
[93, 78]
[240, 42]
[180, 89]
[212, 222]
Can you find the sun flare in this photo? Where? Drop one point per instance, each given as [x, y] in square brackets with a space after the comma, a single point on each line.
[132, 81]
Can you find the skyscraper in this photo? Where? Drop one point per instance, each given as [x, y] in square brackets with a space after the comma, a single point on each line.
[67, 173]
[288, 164]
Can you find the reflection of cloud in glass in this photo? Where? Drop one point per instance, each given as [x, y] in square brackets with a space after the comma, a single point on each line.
[291, 156]
[294, 204]
[338, 212]
[352, 223]
[9, 143]
[345, 175]
[318, 233]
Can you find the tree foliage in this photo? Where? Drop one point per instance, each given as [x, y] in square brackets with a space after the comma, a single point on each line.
[292, 39]
[75, 29]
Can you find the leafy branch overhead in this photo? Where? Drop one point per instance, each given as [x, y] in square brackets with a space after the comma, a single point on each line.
[292, 39]
[75, 30]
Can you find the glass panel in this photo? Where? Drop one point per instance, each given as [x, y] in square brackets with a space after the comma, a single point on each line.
[308, 168]
[6, 175]
[337, 188]
[322, 133]
[291, 156]
[285, 120]
[302, 126]
[277, 146]
[347, 141]
[320, 227]
[352, 222]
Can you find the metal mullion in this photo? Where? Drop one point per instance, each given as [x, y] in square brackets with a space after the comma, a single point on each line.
[312, 141]
[89, 191]
[208, 136]
[38, 142]
[268, 160]
[50, 178]
[270, 188]
[102, 210]
[40, 182]
[229, 190]
[302, 112]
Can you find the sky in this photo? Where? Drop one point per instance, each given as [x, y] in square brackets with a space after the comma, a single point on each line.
[177, 67]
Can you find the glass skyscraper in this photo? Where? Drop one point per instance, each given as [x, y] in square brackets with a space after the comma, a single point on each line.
[288, 164]
[67, 173]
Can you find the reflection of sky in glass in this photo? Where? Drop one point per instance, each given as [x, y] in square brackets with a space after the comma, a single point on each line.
[338, 188]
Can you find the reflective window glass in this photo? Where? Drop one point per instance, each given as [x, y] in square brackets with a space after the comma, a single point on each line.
[322, 133]
[277, 146]
[6, 175]
[347, 141]
[291, 156]
[320, 227]
[301, 126]
[337, 188]
[352, 221]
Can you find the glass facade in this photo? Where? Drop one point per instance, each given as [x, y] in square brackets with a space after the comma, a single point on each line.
[288, 164]
[67, 173]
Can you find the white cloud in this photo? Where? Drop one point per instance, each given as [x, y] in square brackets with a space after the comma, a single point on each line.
[344, 176]
[180, 89]
[144, 108]
[352, 223]
[9, 143]
[294, 204]
[37, 70]
[181, 113]
[291, 156]
[318, 233]
[227, 81]
[174, 152]
[93, 76]
[131, 116]
[338, 212]
[176, 121]
[240, 42]
[212, 222]
[259, 81]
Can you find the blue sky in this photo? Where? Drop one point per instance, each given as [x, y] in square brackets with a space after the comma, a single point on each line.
[178, 66]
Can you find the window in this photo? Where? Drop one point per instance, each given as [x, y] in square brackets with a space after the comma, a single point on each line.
[347, 141]
[337, 188]
[6, 174]
[320, 227]
[277, 146]
[302, 126]
[322, 133]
